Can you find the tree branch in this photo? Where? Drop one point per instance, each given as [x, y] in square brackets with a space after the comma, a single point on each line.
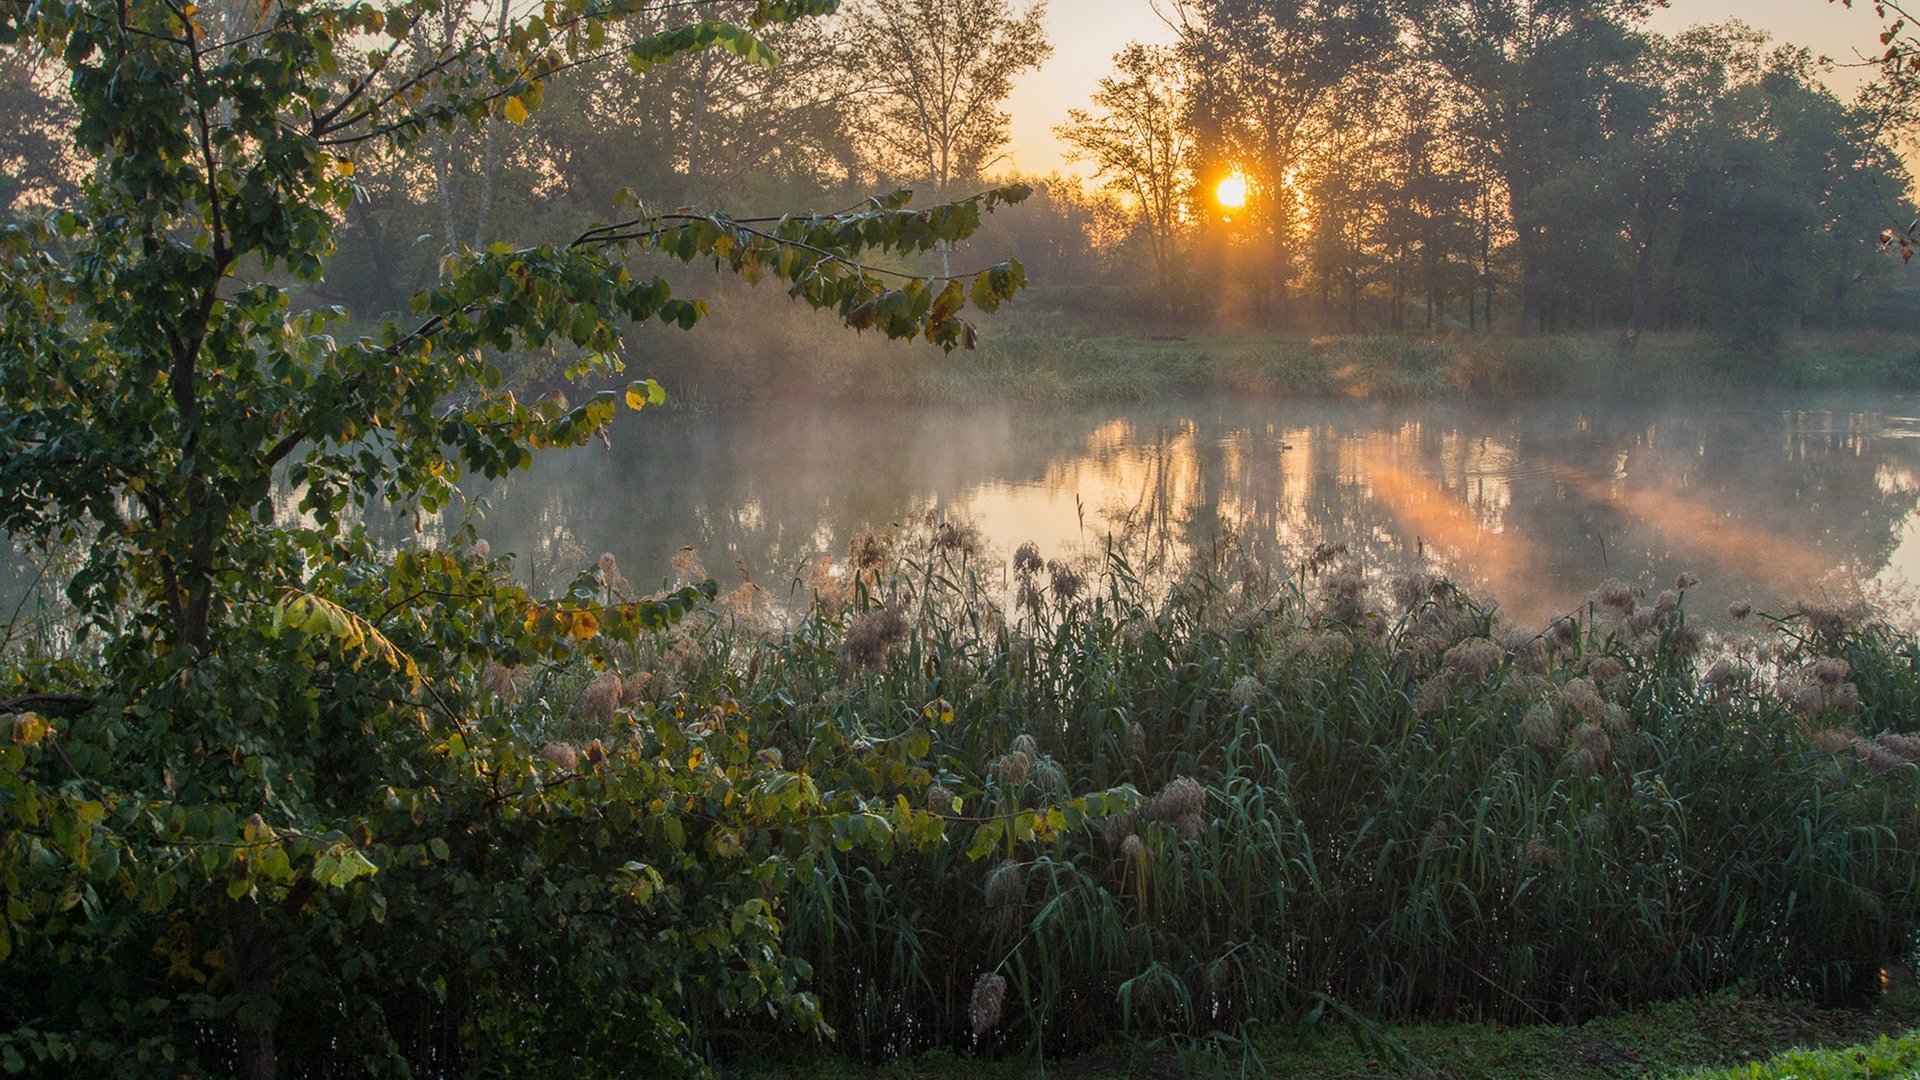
[73, 702]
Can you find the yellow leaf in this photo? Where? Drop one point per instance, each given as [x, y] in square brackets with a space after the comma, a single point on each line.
[585, 626]
[30, 728]
[636, 400]
[515, 110]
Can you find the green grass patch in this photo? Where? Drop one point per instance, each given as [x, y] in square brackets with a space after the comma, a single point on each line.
[1056, 366]
[1723, 1037]
[1887, 1056]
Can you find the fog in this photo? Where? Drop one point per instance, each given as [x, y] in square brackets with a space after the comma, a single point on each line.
[1533, 504]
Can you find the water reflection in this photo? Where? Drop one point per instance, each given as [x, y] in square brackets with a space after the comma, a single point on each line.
[1534, 502]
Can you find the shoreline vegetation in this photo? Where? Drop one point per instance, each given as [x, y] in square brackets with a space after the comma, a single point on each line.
[282, 800]
[1727, 1036]
[1046, 367]
[1366, 807]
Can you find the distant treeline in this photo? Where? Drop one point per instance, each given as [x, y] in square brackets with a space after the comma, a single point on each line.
[1445, 164]
[1466, 163]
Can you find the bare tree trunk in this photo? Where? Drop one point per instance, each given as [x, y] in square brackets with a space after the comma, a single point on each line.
[1163, 269]
[443, 147]
[443, 187]
[490, 166]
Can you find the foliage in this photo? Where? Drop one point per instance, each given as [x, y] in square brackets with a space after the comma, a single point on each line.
[1347, 809]
[37, 163]
[1418, 165]
[288, 802]
[945, 67]
[1670, 1040]
[1884, 1057]
[1140, 144]
[268, 817]
[1306, 64]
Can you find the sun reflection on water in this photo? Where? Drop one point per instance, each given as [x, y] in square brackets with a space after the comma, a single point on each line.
[1534, 503]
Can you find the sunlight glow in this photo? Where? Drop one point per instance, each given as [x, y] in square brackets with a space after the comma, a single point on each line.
[1232, 192]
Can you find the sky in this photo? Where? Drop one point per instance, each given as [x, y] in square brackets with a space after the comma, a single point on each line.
[1086, 34]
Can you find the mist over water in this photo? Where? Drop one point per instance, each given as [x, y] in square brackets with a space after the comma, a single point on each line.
[1531, 502]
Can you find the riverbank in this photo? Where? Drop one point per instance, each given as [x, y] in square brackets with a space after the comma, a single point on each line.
[1716, 1038]
[1059, 366]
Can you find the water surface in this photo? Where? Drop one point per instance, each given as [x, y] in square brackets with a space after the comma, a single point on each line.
[1533, 502]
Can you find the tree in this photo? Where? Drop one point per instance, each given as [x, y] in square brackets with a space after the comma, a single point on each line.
[707, 131]
[280, 788]
[1540, 75]
[1783, 189]
[1140, 145]
[35, 167]
[941, 70]
[1269, 84]
[1895, 96]
[714, 131]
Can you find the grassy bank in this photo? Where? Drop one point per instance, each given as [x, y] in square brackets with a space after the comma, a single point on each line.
[1059, 367]
[1719, 1038]
[1326, 798]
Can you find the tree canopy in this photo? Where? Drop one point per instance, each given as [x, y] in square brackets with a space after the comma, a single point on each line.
[279, 815]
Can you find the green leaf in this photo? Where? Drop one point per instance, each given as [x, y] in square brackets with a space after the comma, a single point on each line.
[273, 863]
[644, 393]
[656, 49]
[985, 838]
[340, 865]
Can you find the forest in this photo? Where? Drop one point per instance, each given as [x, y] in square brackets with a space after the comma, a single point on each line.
[302, 775]
[1415, 165]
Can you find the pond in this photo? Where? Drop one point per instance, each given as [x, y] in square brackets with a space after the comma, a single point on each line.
[1532, 502]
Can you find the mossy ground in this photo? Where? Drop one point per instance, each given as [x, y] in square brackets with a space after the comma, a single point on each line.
[1726, 1033]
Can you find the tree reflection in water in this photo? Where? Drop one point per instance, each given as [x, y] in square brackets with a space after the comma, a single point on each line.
[1534, 502]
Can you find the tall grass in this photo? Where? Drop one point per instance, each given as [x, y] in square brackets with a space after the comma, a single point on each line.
[1401, 808]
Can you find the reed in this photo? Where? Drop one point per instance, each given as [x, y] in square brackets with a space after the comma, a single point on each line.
[1371, 798]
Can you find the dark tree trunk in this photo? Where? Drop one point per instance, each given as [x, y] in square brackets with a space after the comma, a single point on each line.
[1642, 285]
[1486, 262]
[251, 960]
[1841, 284]
[1400, 289]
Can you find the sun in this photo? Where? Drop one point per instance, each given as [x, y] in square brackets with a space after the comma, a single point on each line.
[1232, 192]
